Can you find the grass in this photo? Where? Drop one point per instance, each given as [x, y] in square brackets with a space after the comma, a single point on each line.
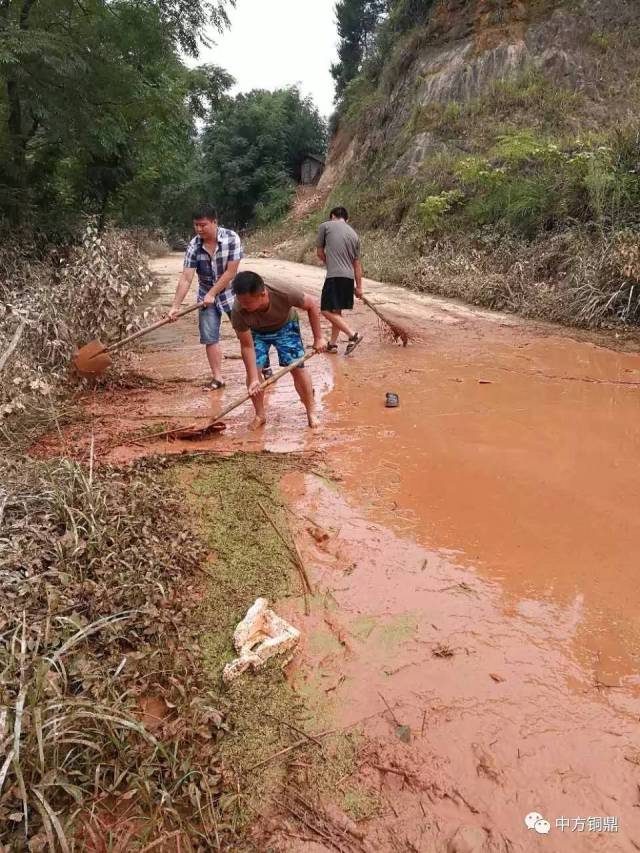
[95, 567]
[123, 583]
[248, 560]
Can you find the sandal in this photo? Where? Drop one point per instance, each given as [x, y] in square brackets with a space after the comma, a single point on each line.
[393, 401]
[215, 385]
[267, 373]
[332, 347]
[353, 343]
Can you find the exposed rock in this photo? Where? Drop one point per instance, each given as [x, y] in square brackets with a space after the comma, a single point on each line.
[466, 49]
[421, 145]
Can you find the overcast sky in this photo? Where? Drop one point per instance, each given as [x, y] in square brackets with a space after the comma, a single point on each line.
[273, 43]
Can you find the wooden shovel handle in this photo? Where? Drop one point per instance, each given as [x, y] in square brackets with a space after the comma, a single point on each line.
[373, 307]
[151, 328]
[277, 375]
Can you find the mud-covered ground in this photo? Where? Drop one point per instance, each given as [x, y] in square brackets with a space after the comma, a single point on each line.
[476, 564]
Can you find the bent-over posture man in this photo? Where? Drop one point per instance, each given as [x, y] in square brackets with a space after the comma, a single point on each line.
[264, 315]
[215, 254]
[338, 247]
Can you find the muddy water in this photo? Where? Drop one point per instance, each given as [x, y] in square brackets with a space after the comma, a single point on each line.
[480, 578]
[476, 564]
[534, 478]
[503, 720]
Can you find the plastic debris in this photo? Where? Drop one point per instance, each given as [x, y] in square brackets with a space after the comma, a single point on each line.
[261, 635]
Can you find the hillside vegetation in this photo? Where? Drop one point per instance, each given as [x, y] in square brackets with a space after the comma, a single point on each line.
[492, 152]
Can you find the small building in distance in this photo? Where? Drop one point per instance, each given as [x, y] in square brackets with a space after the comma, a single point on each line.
[311, 169]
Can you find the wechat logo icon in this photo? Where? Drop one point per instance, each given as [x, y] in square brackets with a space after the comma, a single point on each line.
[535, 821]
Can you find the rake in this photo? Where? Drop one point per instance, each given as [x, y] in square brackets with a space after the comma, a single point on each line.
[390, 328]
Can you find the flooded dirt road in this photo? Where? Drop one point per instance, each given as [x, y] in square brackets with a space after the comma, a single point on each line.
[476, 563]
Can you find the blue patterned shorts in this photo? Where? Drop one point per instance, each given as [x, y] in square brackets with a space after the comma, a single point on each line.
[286, 340]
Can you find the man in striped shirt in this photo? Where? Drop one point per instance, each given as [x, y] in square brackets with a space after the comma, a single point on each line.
[214, 254]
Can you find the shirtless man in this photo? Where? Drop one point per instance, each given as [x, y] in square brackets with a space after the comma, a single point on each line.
[265, 315]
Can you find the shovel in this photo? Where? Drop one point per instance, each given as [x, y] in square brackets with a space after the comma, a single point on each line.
[94, 358]
[214, 424]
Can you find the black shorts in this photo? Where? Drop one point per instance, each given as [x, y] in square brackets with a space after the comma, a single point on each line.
[337, 294]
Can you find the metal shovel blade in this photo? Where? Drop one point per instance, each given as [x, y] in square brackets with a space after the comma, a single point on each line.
[92, 359]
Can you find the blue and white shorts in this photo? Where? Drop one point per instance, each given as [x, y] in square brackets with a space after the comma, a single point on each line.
[286, 340]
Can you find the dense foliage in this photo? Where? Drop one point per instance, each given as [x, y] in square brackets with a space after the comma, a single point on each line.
[253, 147]
[356, 22]
[97, 109]
[367, 31]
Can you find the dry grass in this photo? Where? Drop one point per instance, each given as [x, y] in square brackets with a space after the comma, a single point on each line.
[63, 299]
[95, 570]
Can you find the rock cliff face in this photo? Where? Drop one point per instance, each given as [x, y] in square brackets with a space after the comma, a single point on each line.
[499, 146]
[468, 47]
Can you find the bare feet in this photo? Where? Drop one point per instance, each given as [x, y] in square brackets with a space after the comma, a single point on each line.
[257, 423]
[313, 420]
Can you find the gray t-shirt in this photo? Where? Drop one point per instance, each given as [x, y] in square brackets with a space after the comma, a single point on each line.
[341, 245]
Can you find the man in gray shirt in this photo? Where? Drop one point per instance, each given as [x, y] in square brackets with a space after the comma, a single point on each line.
[338, 247]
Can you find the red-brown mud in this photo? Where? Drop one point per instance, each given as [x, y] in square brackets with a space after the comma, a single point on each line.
[476, 562]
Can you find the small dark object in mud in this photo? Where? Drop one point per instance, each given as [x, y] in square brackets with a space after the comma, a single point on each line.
[393, 401]
[442, 650]
[497, 678]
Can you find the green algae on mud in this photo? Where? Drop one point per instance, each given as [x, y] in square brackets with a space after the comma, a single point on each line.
[264, 714]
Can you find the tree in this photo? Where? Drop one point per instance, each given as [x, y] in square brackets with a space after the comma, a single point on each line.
[357, 21]
[253, 147]
[87, 86]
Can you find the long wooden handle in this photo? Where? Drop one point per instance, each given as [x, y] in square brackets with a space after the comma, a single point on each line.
[277, 375]
[151, 328]
[373, 308]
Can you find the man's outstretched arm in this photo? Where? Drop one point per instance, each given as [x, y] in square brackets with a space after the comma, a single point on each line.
[312, 308]
[248, 353]
[184, 283]
[320, 244]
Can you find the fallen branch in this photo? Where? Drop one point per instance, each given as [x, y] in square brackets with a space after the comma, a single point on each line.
[295, 555]
[295, 729]
[389, 709]
[296, 745]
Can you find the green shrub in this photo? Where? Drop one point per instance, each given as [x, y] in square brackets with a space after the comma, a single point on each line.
[433, 209]
[359, 102]
[601, 41]
[275, 204]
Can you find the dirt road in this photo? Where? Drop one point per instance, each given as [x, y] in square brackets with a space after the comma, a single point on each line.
[477, 563]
